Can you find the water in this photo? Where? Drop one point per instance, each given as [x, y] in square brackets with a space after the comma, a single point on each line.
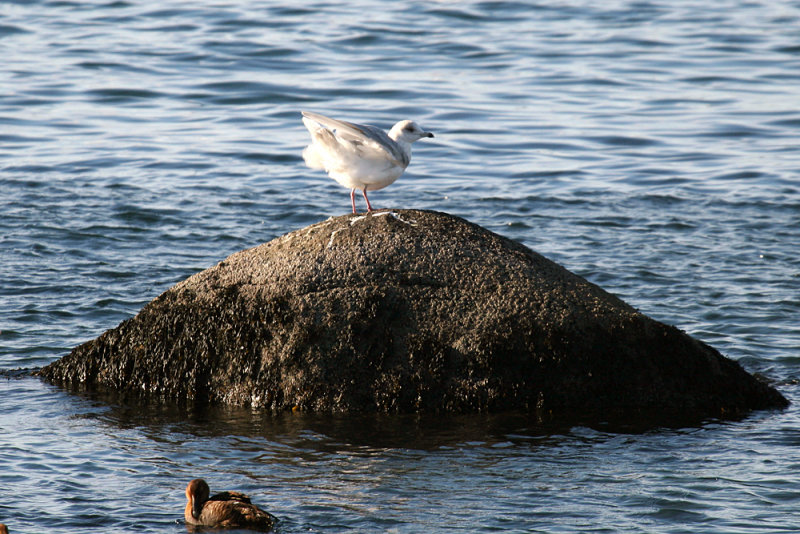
[648, 146]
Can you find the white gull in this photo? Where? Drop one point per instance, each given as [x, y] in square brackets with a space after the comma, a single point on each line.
[359, 156]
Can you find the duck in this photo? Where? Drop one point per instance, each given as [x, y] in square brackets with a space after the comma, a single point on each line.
[229, 509]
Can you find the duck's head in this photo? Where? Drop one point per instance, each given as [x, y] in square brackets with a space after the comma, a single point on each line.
[197, 493]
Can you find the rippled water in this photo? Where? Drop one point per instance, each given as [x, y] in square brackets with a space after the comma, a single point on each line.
[649, 146]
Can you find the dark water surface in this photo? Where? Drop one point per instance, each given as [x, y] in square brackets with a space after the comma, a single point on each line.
[650, 146]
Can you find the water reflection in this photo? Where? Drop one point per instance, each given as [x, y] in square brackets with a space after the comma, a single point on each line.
[164, 418]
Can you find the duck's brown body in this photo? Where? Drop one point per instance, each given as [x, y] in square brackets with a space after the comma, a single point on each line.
[229, 509]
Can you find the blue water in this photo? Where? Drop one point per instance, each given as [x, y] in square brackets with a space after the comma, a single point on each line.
[650, 146]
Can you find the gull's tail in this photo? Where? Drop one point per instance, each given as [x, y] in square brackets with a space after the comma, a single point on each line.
[312, 157]
[319, 134]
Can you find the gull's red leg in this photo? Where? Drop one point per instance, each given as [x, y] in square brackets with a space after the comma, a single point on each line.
[353, 199]
[369, 207]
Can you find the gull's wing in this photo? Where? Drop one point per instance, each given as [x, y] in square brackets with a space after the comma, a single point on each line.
[362, 134]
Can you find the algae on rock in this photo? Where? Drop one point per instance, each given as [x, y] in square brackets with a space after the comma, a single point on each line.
[410, 311]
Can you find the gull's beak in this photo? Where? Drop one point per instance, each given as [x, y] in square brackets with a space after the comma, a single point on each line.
[428, 134]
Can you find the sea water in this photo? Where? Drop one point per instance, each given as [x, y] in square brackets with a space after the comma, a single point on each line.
[649, 146]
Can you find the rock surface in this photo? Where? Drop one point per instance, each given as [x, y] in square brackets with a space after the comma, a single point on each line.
[410, 311]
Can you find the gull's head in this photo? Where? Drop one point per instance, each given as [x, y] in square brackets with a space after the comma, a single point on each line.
[408, 132]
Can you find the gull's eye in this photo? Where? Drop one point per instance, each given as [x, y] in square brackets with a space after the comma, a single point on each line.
[408, 128]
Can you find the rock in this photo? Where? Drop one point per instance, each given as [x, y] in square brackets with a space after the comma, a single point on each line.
[410, 311]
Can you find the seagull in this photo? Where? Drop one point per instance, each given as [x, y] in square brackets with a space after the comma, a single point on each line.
[359, 156]
[229, 509]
